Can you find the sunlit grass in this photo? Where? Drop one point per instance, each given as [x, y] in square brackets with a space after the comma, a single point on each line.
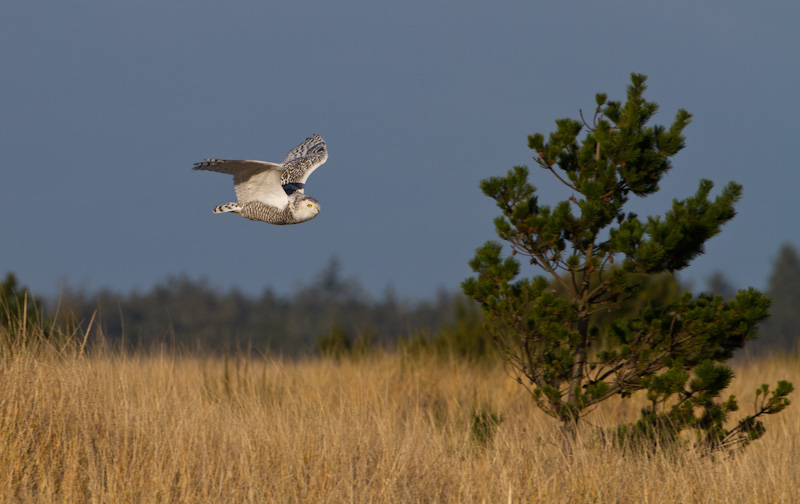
[384, 428]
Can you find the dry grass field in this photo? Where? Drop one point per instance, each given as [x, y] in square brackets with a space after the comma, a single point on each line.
[386, 428]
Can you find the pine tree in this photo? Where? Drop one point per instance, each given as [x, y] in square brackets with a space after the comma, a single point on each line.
[598, 254]
[17, 306]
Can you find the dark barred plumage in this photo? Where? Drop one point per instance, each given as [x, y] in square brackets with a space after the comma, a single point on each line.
[257, 211]
[302, 160]
[209, 164]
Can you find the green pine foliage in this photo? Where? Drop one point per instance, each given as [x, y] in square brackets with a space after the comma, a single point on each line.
[20, 315]
[24, 327]
[584, 340]
[16, 305]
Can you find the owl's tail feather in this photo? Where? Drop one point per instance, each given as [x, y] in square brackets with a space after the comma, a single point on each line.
[228, 207]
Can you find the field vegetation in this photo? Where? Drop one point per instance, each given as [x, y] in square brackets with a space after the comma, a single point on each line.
[405, 426]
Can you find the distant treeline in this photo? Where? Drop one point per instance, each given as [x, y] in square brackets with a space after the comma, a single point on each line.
[335, 314]
[193, 315]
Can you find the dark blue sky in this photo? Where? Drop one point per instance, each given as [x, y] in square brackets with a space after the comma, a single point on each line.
[105, 106]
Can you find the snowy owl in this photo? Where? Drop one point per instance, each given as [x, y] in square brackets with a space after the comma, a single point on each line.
[273, 192]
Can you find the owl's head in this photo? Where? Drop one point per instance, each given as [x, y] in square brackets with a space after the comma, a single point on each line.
[305, 208]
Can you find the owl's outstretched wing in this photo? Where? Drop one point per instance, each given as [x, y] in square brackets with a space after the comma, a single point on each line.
[253, 180]
[301, 161]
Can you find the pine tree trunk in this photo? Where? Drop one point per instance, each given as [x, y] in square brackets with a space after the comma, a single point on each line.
[570, 421]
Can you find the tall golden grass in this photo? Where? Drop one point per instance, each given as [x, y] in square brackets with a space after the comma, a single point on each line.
[111, 428]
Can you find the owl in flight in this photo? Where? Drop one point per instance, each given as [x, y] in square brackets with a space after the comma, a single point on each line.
[273, 192]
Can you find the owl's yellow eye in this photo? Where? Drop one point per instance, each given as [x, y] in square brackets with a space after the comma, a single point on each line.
[309, 205]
